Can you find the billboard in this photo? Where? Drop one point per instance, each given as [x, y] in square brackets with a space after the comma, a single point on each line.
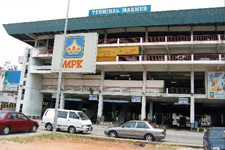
[216, 85]
[120, 10]
[2, 77]
[79, 53]
[11, 81]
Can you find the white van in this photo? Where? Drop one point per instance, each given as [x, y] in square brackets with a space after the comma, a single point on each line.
[68, 120]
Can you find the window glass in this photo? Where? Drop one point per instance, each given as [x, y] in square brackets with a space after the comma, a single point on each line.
[129, 125]
[22, 116]
[217, 134]
[62, 114]
[142, 125]
[2, 115]
[83, 116]
[12, 116]
[73, 115]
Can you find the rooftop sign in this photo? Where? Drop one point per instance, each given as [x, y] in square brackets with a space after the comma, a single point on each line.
[120, 10]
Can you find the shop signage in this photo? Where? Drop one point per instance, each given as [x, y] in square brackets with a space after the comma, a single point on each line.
[79, 53]
[93, 97]
[183, 101]
[136, 99]
[120, 10]
[216, 85]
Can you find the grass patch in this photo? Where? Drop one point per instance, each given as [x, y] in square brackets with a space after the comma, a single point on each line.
[71, 137]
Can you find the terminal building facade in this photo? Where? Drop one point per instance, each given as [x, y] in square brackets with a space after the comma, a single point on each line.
[164, 66]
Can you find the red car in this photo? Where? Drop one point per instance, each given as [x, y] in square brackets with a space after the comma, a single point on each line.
[11, 121]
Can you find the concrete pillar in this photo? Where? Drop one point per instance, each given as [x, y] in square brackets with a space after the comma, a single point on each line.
[146, 35]
[143, 102]
[192, 109]
[100, 100]
[62, 101]
[206, 83]
[105, 38]
[151, 110]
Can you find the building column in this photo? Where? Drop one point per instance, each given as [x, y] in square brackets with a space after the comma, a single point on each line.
[100, 100]
[192, 108]
[143, 101]
[62, 101]
[206, 83]
[151, 110]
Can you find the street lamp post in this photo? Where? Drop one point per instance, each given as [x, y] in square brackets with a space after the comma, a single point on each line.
[60, 73]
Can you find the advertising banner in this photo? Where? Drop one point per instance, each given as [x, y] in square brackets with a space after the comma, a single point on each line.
[11, 81]
[79, 56]
[216, 85]
[110, 53]
[2, 77]
[120, 10]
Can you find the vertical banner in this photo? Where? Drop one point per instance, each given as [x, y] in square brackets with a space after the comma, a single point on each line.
[79, 53]
[216, 85]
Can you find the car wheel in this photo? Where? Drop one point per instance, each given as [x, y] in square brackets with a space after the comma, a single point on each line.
[149, 137]
[112, 134]
[71, 130]
[48, 127]
[34, 128]
[5, 130]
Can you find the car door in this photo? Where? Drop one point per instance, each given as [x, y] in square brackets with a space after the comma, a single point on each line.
[24, 122]
[62, 120]
[141, 129]
[127, 130]
[13, 121]
[73, 120]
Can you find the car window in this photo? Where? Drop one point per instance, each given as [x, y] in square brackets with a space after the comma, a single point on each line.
[62, 114]
[12, 116]
[83, 116]
[73, 115]
[129, 125]
[22, 116]
[216, 134]
[2, 115]
[142, 125]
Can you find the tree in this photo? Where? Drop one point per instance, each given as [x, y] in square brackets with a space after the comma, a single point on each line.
[9, 66]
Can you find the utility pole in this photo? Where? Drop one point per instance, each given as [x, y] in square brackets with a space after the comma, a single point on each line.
[60, 73]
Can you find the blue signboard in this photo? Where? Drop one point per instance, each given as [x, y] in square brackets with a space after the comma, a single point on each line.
[136, 99]
[11, 81]
[121, 10]
[93, 97]
[182, 101]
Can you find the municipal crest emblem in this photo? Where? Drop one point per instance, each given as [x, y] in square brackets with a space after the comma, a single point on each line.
[74, 47]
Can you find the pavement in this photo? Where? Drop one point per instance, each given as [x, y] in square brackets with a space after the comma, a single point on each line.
[174, 136]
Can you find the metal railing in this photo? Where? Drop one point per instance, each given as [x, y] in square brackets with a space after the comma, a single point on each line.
[49, 87]
[45, 51]
[171, 38]
[72, 88]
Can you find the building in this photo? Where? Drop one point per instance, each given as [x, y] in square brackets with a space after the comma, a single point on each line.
[9, 86]
[153, 65]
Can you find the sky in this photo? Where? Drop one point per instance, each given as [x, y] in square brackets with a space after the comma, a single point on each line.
[16, 11]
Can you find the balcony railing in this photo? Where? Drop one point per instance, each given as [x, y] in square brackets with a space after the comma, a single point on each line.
[172, 57]
[49, 87]
[176, 38]
[45, 51]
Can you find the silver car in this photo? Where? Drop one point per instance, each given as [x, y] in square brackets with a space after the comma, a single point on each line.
[136, 129]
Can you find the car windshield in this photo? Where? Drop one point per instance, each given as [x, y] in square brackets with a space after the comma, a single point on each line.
[2, 115]
[83, 116]
[217, 134]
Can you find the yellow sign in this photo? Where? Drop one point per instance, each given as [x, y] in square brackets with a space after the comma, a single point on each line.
[8, 105]
[115, 51]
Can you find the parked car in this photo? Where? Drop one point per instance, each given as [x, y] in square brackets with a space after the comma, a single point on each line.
[68, 120]
[11, 121]
[214, 139]
[136, 129]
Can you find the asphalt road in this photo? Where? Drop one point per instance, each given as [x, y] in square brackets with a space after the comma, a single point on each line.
[182, 137]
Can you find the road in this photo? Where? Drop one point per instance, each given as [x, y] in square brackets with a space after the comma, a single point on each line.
[173, 136]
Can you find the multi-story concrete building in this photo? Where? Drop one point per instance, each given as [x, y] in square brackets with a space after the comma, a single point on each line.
[155, 65]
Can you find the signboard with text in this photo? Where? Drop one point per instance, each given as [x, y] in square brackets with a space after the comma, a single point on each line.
[93, 97]
[136, 99]
[79, 53]
[120, 10]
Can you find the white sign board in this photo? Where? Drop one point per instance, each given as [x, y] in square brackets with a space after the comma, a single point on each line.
[216, 85]
[79, 53]
[136, 99]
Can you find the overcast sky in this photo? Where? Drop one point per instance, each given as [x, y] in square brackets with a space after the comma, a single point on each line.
[15, 11]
